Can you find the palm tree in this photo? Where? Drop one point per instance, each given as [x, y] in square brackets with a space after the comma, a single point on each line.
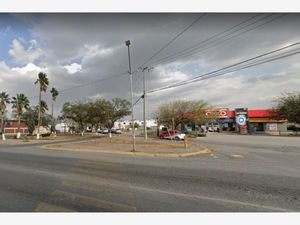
[54, 93]
[44, 108]
[20, 103]
[4, 99]
[43, 82]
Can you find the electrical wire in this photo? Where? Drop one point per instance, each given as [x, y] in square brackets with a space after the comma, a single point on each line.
[194, 50]
[208, 75]
[173, 39]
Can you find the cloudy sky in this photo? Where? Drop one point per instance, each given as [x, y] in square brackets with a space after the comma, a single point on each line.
[79, 51]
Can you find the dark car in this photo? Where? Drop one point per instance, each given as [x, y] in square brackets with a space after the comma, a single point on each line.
[293, 128]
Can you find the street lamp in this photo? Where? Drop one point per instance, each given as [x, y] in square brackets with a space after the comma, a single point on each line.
[132, 112]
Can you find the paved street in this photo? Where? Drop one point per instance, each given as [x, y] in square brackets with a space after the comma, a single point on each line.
[244, 173]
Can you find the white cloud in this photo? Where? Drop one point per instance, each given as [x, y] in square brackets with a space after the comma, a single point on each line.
[22, 55]
[73, 68]
[30, 67]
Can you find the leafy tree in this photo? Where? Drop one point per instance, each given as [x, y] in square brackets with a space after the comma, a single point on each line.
[43, 83]
[117, 109]
[19, 104]
[4, 100]
[100, 111]
[288, 105]
[182, 112]
[78, 112]
[31, 116]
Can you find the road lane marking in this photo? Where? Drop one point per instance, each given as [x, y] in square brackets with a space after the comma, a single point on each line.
[100, 180]
[237, 156]
[103, 163]
[46, 207]
[227, 201]
[92, 188]
[97, 167]
[96, 173]
[94, 202]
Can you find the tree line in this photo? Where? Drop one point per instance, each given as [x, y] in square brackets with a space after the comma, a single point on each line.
[23, 111]
[98, 113]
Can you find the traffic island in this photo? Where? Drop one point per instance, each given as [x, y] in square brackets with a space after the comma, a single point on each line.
[29, 140]
[123, 146]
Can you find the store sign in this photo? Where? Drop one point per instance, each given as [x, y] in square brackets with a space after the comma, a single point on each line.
[241, 116]
[271, 127]
[220, 113]
[241, 120]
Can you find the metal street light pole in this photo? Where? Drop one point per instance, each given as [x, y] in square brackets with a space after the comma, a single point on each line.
[131, 91]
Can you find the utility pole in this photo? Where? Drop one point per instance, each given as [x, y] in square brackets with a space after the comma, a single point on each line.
[144, 105]
[144, 97]
[132, 112]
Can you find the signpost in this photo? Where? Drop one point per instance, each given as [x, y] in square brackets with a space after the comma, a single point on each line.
[241, 117]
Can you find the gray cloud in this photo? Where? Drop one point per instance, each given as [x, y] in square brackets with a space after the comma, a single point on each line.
[96, 42]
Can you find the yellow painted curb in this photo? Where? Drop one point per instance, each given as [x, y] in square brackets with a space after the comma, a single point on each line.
[184, 154]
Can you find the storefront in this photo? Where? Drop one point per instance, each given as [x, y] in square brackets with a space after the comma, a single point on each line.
[244, 121]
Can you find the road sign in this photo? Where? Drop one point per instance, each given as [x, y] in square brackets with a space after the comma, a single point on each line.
[241, 120]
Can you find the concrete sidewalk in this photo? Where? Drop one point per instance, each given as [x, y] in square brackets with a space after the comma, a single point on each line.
[123, 146]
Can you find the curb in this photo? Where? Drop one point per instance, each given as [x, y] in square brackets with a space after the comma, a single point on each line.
[151, 154]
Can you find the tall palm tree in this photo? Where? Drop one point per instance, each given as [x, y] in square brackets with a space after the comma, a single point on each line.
[4, 100]
[54, 93]
[44, 108]
[43, 82]
[20, 103]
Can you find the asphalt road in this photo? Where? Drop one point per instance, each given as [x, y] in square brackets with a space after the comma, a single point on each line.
[244, 173]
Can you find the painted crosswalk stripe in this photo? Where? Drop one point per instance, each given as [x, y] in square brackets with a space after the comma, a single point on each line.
[97, 173]
[46, 207]
[94, 202]
[95, 179]
[93, 188]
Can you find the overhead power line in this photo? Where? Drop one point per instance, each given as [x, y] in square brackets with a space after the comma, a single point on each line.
[225, 70]
[173, 39]
[209, 43]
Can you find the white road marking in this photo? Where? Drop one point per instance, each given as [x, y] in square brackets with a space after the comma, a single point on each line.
[211, 199]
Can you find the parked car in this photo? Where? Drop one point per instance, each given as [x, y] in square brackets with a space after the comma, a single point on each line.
[172, 134]
[116, 131]
[104, 131]
[293, 128]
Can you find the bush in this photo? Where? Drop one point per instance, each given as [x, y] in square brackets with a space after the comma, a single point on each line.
[46, 135]
[194, 134]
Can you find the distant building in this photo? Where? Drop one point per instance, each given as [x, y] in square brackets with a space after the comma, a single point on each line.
[127, 123]
[11, 127]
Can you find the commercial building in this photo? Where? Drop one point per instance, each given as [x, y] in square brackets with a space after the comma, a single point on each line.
[246, 121]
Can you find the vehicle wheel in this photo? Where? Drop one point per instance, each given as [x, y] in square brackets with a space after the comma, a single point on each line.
[177, 139]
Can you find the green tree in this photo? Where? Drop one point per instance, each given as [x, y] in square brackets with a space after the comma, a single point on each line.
[288, 105]
[182, 112]
[19, 104]
[31, 116]
[43, 85]
[4, 100]
[78, 112]
[117, 109]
